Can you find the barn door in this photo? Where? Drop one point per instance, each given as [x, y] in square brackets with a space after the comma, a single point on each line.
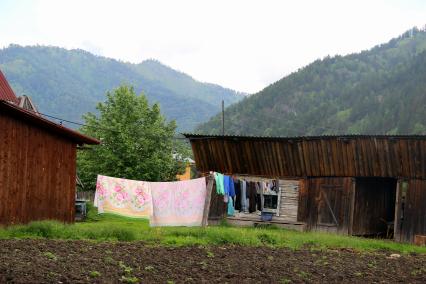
[329, 204]
[410, 220]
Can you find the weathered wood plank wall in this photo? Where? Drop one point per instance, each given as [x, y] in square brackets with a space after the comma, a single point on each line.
[342, 156]
[289, 199]
[326, 205]
[37, 173]
[414, 216]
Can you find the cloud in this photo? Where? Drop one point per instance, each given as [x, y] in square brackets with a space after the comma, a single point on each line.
[244, 45]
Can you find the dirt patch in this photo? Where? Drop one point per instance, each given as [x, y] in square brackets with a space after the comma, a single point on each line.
[36, 261]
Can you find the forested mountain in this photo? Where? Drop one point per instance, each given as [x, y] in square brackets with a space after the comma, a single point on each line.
[69, 83]
[379, 91]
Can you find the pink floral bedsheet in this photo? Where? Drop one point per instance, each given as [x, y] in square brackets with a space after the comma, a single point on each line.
[178, 203]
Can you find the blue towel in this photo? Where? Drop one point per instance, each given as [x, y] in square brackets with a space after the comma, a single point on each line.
[231, 187]
[226, 184]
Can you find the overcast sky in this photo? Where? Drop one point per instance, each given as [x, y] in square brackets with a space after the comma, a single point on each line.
[244, 45]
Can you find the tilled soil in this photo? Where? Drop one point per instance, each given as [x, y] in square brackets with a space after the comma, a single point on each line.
[54, 261]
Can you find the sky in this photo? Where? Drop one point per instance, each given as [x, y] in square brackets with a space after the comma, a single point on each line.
[240, 44]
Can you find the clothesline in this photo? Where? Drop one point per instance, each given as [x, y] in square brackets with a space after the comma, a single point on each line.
[179, 203]
[184, 203]
[248, 196]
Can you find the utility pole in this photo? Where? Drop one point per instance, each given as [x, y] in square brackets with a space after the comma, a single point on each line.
[223, 118]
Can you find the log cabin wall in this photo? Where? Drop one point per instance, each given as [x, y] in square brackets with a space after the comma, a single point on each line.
[37, 173]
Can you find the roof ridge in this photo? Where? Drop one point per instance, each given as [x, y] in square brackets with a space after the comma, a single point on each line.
[6, 92]
[206, 136]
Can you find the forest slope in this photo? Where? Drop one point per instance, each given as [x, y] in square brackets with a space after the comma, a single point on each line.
[378, 91]
[69, 83]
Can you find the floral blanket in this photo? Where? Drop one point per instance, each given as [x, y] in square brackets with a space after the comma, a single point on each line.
[178, 203]
[125, 197]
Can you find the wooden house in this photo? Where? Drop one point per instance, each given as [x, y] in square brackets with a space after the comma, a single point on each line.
[37, 163]
[366, 185]
[189, 163]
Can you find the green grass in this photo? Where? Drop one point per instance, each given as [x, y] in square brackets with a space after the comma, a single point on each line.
[107, 227]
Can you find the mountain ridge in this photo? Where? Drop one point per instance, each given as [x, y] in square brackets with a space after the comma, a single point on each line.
[380, 90]
[69, 83]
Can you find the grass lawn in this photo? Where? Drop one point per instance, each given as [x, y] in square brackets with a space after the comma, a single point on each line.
[107, 227]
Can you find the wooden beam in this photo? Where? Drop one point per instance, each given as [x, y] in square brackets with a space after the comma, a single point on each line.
[396, 228]
[352, 207]
[206, 212]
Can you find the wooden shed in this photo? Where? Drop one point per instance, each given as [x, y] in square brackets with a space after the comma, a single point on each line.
[37, 164]
[367, 185]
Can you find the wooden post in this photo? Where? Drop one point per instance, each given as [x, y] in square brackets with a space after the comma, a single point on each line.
[223, 118]
[206, 212]
[420, 240]
[352, 207]
[397, 221]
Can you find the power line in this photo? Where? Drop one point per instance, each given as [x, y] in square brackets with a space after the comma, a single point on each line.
[179, 138]
[77, 123]
[89, 126]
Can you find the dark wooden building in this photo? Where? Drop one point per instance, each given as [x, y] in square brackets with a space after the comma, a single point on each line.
[37, 164]
[351, 184]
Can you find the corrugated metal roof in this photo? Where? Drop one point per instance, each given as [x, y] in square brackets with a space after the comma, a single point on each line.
[284, 138]
[32, 118]
[6, 92]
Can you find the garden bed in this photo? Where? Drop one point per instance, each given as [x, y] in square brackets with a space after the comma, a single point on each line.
[41, 260]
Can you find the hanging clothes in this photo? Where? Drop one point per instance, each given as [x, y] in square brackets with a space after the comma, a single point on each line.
[231, 210]
[237, 187]
[226, 188]
[219, 183]
[251, 193]
[258, 196]
[231, 187]
[244, 207]
[178, 203]
[226, 184]
[125, 197]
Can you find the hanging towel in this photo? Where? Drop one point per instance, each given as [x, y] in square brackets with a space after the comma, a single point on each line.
[226, 188]
[226, 184]
[219, 183]
[130, 198]
[231, 211]
[178, 203]
[244, 207]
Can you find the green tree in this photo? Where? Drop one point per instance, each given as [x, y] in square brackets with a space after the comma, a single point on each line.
[137, 142]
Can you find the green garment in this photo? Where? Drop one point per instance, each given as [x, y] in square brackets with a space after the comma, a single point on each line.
[219, 183]
[231, 210]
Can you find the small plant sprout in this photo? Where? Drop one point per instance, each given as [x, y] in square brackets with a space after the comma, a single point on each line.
[94, 274]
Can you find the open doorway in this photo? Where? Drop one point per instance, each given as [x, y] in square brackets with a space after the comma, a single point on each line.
[374, 207]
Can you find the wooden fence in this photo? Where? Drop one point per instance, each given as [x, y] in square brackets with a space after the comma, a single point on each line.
[86, 195]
